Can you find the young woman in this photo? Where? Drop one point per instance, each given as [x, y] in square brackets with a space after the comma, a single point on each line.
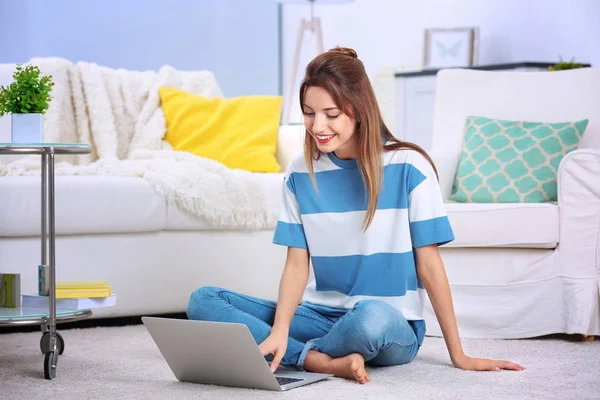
[367, 210]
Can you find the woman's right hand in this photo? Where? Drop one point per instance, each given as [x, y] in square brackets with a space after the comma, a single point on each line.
[275, 344]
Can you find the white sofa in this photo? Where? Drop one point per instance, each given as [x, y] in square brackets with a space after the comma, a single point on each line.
[153, 255]
[523, 270]
[517, 270]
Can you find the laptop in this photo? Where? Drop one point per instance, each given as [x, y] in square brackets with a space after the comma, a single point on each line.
[220, 353]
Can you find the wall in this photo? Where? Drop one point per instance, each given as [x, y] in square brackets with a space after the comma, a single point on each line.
[236, 39]
[388, 34]
[13, 30]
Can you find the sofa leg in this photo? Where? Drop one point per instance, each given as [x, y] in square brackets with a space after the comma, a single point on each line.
[588, 339]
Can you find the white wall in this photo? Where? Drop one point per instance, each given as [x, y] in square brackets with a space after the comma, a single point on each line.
[389, 33]
[13, 30]
[238, 40]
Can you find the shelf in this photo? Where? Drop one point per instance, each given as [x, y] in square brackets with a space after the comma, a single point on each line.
[38, 315]
[43, 144]
[490, 67]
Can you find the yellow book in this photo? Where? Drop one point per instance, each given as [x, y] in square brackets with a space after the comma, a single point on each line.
[86, 289]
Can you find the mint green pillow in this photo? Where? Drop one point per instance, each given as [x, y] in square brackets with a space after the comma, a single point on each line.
[512, 161]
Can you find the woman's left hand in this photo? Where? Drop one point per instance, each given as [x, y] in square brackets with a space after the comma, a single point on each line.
[484, 364]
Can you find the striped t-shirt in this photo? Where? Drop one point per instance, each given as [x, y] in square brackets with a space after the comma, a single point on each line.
[350, 264]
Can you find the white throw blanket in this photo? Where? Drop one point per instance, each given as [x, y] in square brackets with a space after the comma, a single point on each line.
[118, 112]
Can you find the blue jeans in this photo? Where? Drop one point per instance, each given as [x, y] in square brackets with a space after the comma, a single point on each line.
[372, 328]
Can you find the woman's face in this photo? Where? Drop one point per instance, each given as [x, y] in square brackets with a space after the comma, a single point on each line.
[330, 127]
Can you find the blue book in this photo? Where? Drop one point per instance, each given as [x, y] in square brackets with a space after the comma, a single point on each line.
[69, 304]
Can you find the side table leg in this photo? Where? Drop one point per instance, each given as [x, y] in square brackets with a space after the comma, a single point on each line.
[42, 287]
[44, 208]
[52, 250]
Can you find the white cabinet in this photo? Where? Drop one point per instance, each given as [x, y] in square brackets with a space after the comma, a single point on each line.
[415, 100]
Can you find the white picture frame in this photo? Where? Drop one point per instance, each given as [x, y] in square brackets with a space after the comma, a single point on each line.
[451, 47]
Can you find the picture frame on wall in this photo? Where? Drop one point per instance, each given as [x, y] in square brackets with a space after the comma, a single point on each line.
[451, 47]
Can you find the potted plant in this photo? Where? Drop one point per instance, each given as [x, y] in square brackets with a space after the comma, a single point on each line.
[564, 65]
[26, 99]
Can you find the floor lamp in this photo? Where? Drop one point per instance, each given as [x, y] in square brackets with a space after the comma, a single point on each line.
[313, 25]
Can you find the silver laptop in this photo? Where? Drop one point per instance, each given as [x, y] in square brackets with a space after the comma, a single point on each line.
[219, 353]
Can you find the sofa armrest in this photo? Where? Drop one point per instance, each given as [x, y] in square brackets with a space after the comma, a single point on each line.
[579, 238]
[446, 164]
[579, 210]
[290, 143]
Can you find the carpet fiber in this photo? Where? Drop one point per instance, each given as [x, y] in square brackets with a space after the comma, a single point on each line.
[123, 363]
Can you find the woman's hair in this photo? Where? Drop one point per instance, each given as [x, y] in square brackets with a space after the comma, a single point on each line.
[343, 75]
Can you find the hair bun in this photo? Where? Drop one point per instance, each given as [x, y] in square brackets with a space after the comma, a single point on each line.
[344, 50]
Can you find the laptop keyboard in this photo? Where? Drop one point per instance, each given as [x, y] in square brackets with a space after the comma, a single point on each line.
[284, 381]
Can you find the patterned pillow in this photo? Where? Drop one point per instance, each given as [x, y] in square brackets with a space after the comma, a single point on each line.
[512, 161]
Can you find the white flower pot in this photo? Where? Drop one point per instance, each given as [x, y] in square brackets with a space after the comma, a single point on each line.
[26, 128]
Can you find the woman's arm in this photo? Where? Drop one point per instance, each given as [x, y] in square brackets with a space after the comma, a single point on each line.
[293, 282]
[430, 269]
[292, 285]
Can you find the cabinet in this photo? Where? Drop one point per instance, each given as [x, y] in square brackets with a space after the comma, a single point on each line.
[415, 100]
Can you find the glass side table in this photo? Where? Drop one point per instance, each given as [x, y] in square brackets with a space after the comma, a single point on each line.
[51, 343]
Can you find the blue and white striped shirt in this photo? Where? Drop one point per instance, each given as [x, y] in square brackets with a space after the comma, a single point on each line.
[351, 265]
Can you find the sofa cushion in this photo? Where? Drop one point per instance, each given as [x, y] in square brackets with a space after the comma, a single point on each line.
[84, 204]
[239, 132]
[505, 161]
[524, 225]
[272, 183]
[290, 143]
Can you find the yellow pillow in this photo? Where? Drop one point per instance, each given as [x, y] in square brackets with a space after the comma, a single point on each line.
[239, 132]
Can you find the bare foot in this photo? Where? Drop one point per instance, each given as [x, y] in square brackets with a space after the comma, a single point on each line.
[351, 366]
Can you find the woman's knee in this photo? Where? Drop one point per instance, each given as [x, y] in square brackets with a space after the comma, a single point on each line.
[377, 312]
[200, 302]
[380, 323]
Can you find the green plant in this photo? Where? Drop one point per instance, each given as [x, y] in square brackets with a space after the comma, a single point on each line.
[28, 94]
[563, 65]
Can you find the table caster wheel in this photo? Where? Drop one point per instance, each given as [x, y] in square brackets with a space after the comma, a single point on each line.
[50, 362]
[45, 343]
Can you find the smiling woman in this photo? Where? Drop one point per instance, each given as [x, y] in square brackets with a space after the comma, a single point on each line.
[367, 210]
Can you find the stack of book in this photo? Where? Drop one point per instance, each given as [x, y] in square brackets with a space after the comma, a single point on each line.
[75, 296]
[81, 290]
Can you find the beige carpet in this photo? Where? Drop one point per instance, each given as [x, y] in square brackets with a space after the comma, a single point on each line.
[123, 363]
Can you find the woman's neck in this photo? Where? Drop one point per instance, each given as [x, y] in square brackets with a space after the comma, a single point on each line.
[349, 150]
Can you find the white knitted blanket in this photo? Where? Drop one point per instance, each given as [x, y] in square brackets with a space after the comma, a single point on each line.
[118, 112]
